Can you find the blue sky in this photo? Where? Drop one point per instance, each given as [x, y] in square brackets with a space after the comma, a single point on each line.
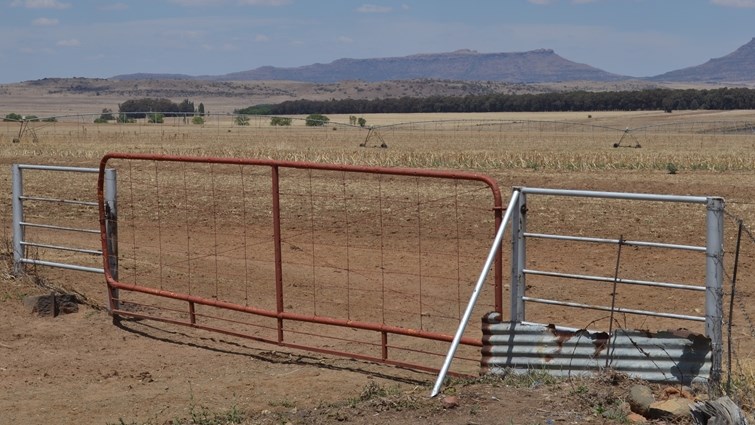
[100, 38]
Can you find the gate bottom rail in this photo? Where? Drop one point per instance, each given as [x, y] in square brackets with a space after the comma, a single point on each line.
[383, 329]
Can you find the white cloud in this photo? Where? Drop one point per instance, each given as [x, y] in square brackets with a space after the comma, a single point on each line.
[222, 47]
[264, 2]
[44, 22]
[35, 51]
[71, 42]
[261, 38]
[192, 3]
[115, 7]
[345, 40]
[184, 34]
[405, 6]
[40, 4]
[734, 3]
[547, 2]
[372, 8]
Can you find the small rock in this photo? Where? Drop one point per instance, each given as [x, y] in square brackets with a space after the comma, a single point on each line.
[685, 392]
[636, 418]
[67, 303]
[42, 305]
[51, 305]
[669, 409]
[640, 399]
[625, 408]
[450, 402]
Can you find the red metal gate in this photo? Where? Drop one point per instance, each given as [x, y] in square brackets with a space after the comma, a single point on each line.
[365, 262]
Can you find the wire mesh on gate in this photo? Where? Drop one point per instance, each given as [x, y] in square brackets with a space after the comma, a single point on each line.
[362, 249]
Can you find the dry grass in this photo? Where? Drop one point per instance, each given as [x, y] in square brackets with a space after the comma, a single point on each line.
[558, 142]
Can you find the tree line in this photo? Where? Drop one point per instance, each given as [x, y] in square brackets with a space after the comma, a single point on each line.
[138, 108]
[640, 100]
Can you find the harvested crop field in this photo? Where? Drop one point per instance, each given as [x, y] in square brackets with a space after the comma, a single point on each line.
[82, 368]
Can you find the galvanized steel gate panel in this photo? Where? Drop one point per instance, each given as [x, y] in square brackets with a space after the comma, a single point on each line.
[584, 282]
[366, 262]
[54, 216]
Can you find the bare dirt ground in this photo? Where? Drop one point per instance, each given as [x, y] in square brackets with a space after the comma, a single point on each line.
[80, 368]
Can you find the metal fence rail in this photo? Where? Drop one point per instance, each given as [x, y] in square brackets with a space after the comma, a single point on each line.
[21, 200]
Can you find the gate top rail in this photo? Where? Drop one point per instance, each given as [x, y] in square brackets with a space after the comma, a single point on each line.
[617, 195]
[460, 175]
[57, 168]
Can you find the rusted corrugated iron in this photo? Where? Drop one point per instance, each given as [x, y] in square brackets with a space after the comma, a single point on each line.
[677, 356]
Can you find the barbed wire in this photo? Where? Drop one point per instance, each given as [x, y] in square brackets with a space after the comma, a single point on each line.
[746, 233]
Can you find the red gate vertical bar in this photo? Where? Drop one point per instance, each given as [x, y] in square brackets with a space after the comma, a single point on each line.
[277, 243]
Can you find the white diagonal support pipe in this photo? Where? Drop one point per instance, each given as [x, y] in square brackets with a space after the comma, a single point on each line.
[475, 293]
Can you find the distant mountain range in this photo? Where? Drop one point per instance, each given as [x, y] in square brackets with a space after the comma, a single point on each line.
[738, 66]
[536, 66]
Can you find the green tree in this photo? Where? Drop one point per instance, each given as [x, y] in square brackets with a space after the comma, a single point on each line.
[13, 117]
[362, 122]
[125, 118]
[281, 121]
[32, 118]
[186, 108]
[241, 120]
[316, 120]
[139, 108]
[107, 115]
[352, 120]
[263, 109]
[197, 120]
[200, 109]
[155, 118]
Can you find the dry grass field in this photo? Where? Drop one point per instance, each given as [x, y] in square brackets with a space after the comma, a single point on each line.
[81, 368]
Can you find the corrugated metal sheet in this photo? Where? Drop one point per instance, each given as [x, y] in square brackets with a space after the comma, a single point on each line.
[667, 356]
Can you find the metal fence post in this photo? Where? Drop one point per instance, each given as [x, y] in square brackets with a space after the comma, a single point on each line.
[714, 272]
[278, 251]
[111, 231]
[518, 226]
[18, 218]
